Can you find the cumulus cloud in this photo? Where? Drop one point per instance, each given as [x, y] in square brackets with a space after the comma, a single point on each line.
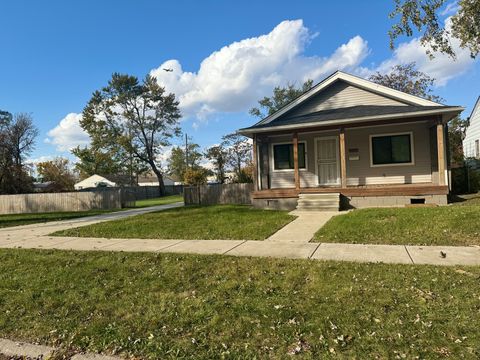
[68, 133]
[236, 76]
[442, 67]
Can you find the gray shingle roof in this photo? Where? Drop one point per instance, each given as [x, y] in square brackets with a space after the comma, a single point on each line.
[345, 114]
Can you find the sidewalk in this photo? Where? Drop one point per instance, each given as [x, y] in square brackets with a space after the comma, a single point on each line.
[288, 245]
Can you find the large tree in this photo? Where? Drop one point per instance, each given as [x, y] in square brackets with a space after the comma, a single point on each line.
[239, 151]
[183, 158]
[140, 117]
[456, 133]
[218, 156]
[59, 173]
[17, 140]
[423, 16]
[406, 78]
[281, 97]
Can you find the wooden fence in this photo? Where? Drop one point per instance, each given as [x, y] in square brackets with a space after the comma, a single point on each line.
[149, 192]
[218, 194]
[70, 201]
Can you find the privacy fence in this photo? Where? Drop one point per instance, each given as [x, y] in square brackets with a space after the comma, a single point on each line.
[99, 198]
[218, 194]
[69, 201]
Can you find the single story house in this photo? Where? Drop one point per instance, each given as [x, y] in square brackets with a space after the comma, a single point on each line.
[471, 143]
[94, 181]
[150, 179]
[351, 143]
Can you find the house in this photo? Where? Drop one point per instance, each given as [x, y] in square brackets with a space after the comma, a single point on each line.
[471, 143]
[94, 181]
[351, 142]
[150, 179]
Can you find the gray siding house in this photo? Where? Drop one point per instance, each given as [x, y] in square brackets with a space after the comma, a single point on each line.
[471, 143]
[352, 143]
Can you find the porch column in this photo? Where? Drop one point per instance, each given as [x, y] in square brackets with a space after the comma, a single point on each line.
[343, 159]
[255, 164]
[441, 153]
[295, 161]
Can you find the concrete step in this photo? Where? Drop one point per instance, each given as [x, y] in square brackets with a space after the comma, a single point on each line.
[319, 202]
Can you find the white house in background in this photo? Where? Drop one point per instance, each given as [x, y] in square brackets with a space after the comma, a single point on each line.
[471, 143]
[150, 179]
[94, 181]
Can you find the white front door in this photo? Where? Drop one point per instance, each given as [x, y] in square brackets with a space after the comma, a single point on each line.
[328, 170]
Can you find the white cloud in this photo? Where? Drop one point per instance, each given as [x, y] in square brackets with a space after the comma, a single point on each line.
[442, 67]
[68, 133]
[236, 76]
[450, 9]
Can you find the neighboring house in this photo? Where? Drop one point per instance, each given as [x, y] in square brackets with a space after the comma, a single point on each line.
[352, 140]
[471, 143]
[94, 181]
[150, 179]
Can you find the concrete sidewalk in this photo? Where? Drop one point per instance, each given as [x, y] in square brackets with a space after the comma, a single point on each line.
[288, 245]
[304, 226]
[395, 254]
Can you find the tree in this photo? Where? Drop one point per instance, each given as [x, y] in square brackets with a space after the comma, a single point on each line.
[239, 151]
[421, 15]
[408, 79]
[17, 140]
[59, 173]
[218, 156]
[456, 133]
[281, 97]
[195, 176]
[179, 160]
[139, 117]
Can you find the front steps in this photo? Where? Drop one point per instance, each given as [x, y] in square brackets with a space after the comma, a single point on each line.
[319, 202]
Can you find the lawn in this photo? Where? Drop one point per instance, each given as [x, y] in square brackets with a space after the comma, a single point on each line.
[192, 222]
[446, 225]
[156, 306]
[25, 219]
[164, 200]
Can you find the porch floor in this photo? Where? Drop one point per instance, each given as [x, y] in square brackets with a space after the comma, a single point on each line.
[361, 190]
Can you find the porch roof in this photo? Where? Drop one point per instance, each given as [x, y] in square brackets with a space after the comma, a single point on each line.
[352, 114]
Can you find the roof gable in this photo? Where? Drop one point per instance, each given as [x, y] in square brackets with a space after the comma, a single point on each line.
[341, 90]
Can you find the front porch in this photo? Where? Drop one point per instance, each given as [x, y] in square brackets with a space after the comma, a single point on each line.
[378, 165]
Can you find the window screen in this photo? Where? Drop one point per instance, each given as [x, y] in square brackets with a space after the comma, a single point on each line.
[392, 149]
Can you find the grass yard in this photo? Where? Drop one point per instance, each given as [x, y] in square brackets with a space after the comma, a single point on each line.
[164, 200]
[229, 222]
[160, 306]
[447, 225]
[26, 219]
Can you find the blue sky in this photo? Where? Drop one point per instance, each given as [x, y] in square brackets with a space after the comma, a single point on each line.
[54, 54]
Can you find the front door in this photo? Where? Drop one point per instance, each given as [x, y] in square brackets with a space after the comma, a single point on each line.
[328, 170]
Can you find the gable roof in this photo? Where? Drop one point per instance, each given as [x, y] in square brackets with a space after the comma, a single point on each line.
[475, 107]
[413, 105]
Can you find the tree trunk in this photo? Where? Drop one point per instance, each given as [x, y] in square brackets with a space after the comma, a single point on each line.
[161, 185]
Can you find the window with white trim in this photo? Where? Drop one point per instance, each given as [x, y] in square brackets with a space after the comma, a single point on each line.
[395, 149]
[283, 156]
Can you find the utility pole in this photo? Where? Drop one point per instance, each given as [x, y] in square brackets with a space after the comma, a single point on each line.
[186, 152]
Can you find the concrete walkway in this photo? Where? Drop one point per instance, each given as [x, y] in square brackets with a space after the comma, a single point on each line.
[303, 227]
[36, 237]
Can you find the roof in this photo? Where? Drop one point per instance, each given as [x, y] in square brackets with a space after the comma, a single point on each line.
[475, 107]
[414, 106]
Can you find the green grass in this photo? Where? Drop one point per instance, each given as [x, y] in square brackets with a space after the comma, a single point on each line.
[447, 225]
[161, 306]
[234, 222]
[164, 200]
[467, 200]
[26, 219]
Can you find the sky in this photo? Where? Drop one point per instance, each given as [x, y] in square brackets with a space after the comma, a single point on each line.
[225, 56]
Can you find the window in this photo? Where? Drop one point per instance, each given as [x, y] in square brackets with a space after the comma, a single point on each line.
[283, 156]
[477, 149]
[391, 149]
